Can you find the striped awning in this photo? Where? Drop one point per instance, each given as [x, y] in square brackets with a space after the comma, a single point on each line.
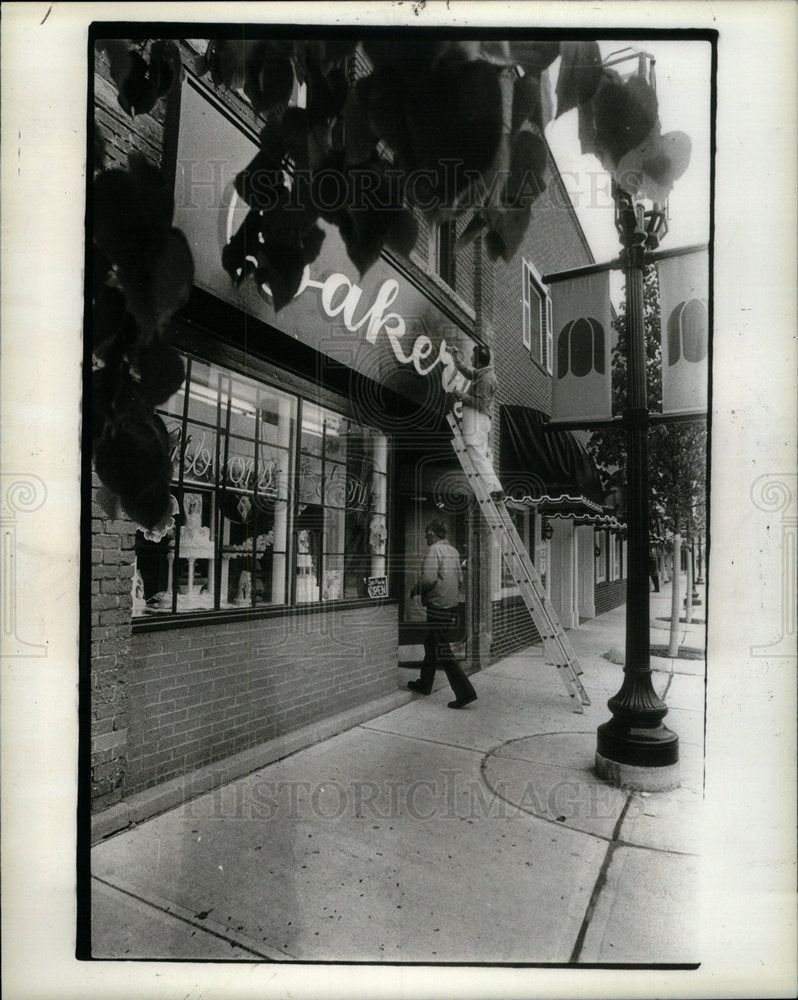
[550, 470]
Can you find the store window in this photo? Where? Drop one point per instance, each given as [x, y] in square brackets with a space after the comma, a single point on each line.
[601, 556]
[446, 263]
[537, 323]
[340, 516]
[504, 585]
[617, 559]
[279, 502]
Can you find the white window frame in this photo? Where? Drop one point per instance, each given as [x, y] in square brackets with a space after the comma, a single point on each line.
[499, 591]
[531, 277]
[601, 560]
[616, 568]
[435, 248]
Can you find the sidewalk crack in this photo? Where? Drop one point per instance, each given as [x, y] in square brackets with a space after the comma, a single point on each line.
[601, 881]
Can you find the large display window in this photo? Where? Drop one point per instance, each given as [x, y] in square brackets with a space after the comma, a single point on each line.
[279, 501]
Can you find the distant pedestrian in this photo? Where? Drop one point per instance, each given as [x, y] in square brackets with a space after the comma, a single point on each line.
[653, 571]
[439, 586]
[478, 414]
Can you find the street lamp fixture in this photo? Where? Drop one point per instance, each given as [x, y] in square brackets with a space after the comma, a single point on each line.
[634, 748]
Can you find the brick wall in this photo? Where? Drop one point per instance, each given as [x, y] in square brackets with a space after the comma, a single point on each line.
[111, 608]
[200, 694]
[609, 595]
[513, 628]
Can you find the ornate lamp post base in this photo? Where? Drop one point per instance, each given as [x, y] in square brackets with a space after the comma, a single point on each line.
[636, 778]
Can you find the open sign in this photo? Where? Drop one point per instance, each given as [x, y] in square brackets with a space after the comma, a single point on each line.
[376, 586]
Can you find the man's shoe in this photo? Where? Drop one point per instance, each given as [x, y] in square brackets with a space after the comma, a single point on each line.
[462, 702]
[416, 686]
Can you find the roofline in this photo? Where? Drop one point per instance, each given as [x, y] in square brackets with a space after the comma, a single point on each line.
[571, 208]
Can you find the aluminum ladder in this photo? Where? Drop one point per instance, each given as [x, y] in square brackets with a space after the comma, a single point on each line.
[556, 644]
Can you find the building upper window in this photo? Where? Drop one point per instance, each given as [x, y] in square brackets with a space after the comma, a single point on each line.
[537, 324]
[446, 258]
[281, 502]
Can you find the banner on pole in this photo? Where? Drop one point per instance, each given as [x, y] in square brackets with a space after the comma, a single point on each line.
[582, 317]
[684, 327]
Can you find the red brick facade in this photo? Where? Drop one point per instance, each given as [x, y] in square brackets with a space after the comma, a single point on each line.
[197, 695]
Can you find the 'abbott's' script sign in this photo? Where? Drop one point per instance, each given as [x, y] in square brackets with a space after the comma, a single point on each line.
[379, 324]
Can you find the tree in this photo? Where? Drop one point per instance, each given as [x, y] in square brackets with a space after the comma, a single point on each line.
[444, 128]
[676, 451]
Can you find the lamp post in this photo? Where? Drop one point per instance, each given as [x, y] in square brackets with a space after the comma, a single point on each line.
[634, 748]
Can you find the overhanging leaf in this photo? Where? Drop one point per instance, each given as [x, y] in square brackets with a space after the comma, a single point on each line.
[625, 113]
[580, 74]
[268, 76]
[534, 57]
[281, 268]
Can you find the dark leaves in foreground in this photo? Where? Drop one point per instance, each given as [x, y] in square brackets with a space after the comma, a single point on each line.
[132, 227]
[143, 273]
[142, 77]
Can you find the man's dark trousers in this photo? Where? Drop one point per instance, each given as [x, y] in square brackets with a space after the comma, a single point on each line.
[438, 653]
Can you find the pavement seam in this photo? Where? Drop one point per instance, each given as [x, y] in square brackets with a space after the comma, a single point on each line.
[657, 850]
[185, 920]
[423, 739]
[601, 881]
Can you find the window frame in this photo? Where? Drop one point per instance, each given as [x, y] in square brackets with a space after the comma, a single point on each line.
[225, 374]
[532, 280]
[528, 530]
[601, 562]
[616, 557]
[446, 235]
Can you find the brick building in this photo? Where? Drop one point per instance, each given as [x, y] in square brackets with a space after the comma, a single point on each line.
[310, 451]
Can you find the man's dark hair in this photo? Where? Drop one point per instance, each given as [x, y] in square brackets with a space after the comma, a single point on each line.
[482, 355]
[438, 528]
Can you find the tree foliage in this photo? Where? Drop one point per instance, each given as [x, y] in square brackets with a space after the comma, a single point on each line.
[436, 127]
[676, 451]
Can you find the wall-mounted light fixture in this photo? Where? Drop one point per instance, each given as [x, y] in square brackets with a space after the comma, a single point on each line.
[546, 529]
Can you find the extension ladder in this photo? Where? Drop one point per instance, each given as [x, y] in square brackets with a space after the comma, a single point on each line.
[556, 644]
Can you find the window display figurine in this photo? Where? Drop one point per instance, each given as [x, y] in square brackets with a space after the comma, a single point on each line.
[377, 535]
[244, 587]
[307, 588]
[139, 602]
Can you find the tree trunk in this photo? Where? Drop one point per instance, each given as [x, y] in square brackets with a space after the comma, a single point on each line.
[673, 648]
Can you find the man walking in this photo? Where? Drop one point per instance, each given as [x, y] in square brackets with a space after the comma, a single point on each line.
[653, 572]
[439, 583]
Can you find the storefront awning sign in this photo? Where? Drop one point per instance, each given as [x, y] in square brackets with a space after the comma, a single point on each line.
[380, 324]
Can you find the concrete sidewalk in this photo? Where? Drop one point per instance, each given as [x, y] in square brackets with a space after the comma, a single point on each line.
[432, 836]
